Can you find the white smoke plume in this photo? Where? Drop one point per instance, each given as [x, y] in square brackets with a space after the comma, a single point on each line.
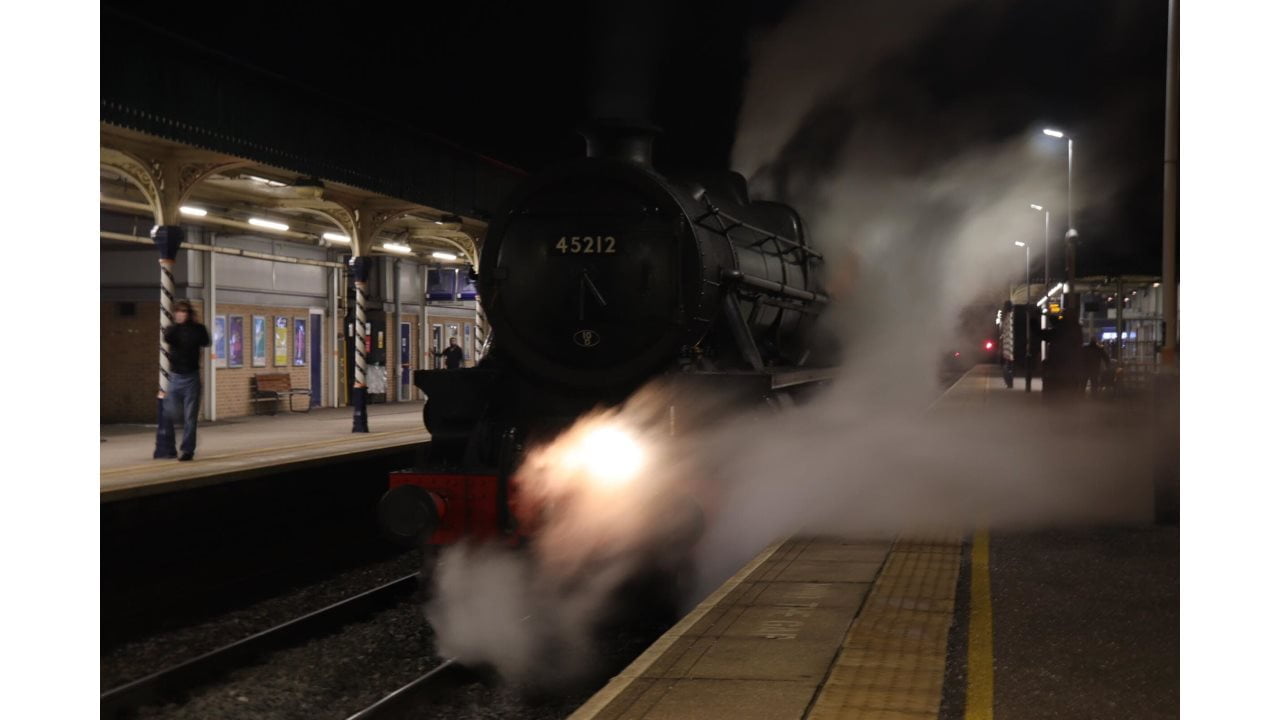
[917, 216]
[605, 505]
[916, 203]
[826, 49]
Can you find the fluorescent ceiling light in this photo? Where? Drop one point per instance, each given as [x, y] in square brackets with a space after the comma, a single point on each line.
[1036, 207]
[397, 247]
[268, 224]
[1053, 133]
[336, 237]
[265, 181]
[1019, 243]
[195, 211]
[444, 256]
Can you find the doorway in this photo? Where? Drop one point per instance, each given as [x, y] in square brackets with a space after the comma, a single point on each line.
[451, 333]
[406, 382]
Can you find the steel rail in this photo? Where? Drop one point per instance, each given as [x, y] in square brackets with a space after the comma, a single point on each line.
[180, 679]
[409, 699]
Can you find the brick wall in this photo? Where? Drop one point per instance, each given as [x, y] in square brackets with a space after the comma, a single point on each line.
[233, 383]
[130, 364]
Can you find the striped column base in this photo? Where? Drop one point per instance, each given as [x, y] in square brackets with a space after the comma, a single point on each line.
[360, 413]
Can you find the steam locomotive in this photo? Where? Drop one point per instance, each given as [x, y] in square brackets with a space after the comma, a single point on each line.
[598, 276]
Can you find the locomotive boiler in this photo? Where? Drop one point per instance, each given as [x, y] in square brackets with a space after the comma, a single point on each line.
[599, 276]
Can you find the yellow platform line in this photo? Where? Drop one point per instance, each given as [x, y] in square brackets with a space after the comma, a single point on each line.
[979, 702]
[337, 440]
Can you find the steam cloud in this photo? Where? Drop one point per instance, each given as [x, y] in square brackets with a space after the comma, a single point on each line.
[916, 214]
[534, 615]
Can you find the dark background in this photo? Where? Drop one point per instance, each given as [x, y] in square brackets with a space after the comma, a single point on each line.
[513, 80]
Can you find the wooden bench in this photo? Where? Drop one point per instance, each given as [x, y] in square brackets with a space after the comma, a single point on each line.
[275, 387]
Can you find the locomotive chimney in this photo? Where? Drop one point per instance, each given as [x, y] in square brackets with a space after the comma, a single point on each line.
[624, 140]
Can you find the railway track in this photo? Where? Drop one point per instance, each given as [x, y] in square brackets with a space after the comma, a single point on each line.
[177, 681]
[418, 695]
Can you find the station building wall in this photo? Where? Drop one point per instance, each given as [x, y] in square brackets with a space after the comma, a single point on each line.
[128, 355]
[233, 384]
[130, 310]
[462, 314]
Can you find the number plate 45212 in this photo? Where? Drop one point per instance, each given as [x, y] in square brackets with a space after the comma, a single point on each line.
[586, 245]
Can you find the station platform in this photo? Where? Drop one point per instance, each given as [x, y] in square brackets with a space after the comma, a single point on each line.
[963, 624]
[810, 628]
[251, 446]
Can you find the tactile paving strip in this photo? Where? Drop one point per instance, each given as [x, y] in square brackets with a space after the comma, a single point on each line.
[893, 659]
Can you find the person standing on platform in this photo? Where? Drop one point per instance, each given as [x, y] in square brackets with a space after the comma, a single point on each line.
[186, 338]
[1094, 358]
[452, 355]
[1064, 375]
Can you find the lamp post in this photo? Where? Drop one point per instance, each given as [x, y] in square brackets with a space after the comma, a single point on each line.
[1046, 258]
[1026, 342]
[1071, 227]
[1046, 242]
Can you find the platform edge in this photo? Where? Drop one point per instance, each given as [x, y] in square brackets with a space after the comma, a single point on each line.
[620, 682]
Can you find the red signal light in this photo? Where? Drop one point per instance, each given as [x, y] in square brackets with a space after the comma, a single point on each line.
[989, 345]
[955, 354]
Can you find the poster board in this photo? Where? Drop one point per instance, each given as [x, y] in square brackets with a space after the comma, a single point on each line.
[235, 341]
[259, 341]
[220, 341]
[282, 341]
[299, 342]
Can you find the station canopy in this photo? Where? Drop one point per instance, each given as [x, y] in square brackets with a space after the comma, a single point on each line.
[276, 202]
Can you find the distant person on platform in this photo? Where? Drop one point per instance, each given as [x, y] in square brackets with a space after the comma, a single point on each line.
[452, 355]
[1095, 358]
[1065, 350]
[186, 338]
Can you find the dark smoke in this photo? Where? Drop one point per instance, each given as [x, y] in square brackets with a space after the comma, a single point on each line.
[626, 48]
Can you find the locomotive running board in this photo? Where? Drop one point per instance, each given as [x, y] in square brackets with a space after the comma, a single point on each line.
[791, 378]
[754, 383]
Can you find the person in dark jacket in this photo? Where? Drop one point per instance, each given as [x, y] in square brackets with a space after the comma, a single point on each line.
[186, 338]
[1094, 358]
[1064, 372]
[452, 355]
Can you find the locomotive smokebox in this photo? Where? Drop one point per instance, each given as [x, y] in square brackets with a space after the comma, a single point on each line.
[622, 140]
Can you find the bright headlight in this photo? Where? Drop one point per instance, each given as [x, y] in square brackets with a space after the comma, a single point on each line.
[610, 455]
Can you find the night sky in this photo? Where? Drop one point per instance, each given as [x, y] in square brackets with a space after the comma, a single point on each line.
[513, 80]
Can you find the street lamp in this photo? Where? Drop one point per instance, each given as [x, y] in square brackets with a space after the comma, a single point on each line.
[1046, 241]
[1046, 257]
[1026, 340]
[1071, 227]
